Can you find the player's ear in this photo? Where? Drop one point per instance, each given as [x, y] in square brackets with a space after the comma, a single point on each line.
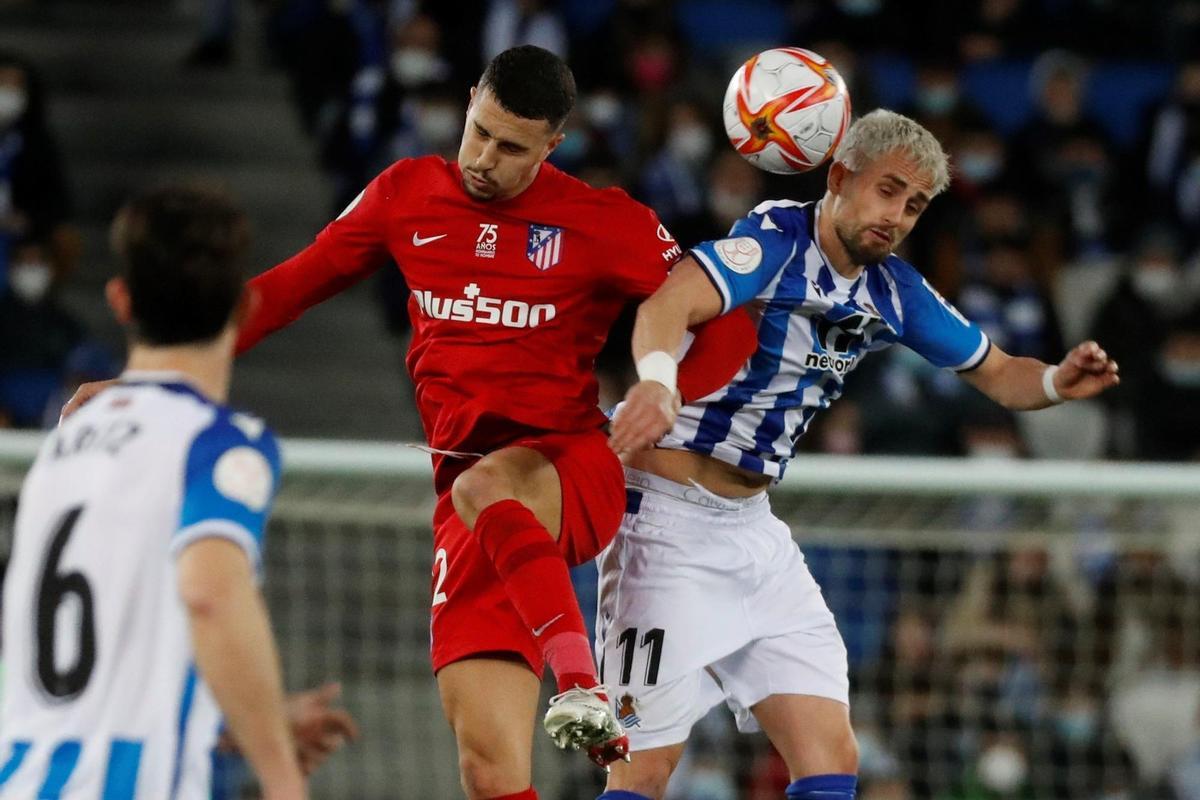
[116, 292]
[471, 96]
[837, 176]
[554, 142]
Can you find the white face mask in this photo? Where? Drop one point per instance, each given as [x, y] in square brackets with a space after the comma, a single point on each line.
[1002, 769]
[1155, 284]
[690, 143]
[412, 66]
[30, 280]
[602, 110]
[12, 105]
[1183, 373]
[729, 205]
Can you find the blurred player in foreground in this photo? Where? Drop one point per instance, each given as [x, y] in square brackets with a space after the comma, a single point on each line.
[517, 273]
[132, 615]
[705, 596]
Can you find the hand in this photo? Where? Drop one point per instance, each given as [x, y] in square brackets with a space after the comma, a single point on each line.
[319, 729]
[1085, 372]
[646, 415]
[85, 392]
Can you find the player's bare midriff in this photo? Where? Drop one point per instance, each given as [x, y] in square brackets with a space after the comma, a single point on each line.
[718, 477]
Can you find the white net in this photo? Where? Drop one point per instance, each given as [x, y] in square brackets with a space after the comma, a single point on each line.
[1024, 630]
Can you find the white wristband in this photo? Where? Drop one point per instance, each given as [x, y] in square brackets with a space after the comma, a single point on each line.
[658, 366]
[1048, 385]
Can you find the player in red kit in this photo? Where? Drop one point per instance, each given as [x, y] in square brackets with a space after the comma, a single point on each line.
[517, 272]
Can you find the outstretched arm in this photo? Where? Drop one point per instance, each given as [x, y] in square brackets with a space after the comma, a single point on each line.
[1025, 384]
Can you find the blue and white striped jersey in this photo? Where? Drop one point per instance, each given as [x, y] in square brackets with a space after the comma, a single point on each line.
[102, 700]
[815, 326]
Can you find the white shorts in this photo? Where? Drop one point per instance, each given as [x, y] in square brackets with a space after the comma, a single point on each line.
[704, 599]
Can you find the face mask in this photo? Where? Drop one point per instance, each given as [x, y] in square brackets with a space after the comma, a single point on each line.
[12, 105]
[602, 110]
[412, 66]
[1181, 373]
[437, 126]
[937, 100]
[979, 167]
[1156, 285]
[690, 143]
[30, 280]
[1002, 769]
[991, 451]
[729, 205]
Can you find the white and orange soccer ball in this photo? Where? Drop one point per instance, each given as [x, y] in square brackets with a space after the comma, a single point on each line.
[786, 110]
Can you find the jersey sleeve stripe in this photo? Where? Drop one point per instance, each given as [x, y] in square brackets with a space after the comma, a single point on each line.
[714, 275]
[977, 357]
[217, 529]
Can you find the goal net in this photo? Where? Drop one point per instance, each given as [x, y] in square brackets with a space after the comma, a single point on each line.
[1015, 628]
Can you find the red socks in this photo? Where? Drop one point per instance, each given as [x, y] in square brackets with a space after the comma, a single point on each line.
[528, 794]
[536, 579]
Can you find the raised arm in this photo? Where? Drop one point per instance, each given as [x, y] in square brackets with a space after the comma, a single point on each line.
[1025, 384]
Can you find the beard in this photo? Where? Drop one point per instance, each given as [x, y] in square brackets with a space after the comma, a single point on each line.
[861, 246]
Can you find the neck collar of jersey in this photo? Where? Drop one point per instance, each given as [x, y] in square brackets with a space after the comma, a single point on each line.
[170, 380]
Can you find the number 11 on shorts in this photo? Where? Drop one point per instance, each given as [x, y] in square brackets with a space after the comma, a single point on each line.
[653, 639]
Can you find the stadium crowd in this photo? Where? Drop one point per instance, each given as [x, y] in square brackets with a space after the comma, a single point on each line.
[1074, 130]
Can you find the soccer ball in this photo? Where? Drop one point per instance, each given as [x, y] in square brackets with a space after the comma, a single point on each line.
[786, 110]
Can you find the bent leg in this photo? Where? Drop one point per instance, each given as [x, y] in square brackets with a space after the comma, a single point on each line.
[814, 736]
[491, 705]
[512, 501]
[645, 777]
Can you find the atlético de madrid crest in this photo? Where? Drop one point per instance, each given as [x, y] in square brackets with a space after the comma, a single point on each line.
[544, 247]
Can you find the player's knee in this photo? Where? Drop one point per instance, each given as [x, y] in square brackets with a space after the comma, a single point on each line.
[485, 775]
[647, 774]
[843, 755]
[477, 488]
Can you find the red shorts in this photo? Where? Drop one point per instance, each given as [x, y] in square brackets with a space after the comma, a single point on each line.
[471, 612]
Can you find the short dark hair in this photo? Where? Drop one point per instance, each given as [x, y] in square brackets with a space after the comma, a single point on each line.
[532, 83]
[181, 250]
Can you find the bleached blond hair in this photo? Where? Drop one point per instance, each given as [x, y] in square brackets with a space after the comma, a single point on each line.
[880, 132]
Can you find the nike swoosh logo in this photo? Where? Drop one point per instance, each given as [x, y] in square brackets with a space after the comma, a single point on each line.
[419, 242]
[539, 631]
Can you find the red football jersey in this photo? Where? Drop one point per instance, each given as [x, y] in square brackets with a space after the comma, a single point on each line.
[511, 300]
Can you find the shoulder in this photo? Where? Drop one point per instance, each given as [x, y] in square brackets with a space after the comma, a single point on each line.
[239, 454]
[904, 275]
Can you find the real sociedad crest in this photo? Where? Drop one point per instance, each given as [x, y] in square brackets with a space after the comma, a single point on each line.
[544, 247]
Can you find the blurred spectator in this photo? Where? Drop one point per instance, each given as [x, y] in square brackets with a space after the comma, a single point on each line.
[1012, 629]
[401, 111]
[1150, 323]
[513, 22]
[1071, 158]
[316, 44]
[672, 182]
[938, 102]
[1006, 301]
[36, 336]
[34, 200]
[991, 29]
[1173, 157]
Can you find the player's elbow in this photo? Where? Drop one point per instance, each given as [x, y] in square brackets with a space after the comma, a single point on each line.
[213, 577]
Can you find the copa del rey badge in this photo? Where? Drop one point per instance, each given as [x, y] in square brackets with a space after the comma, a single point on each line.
[544, 247]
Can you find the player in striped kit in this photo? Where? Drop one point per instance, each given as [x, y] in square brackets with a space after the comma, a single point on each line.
[132, 617]
[705, 596]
